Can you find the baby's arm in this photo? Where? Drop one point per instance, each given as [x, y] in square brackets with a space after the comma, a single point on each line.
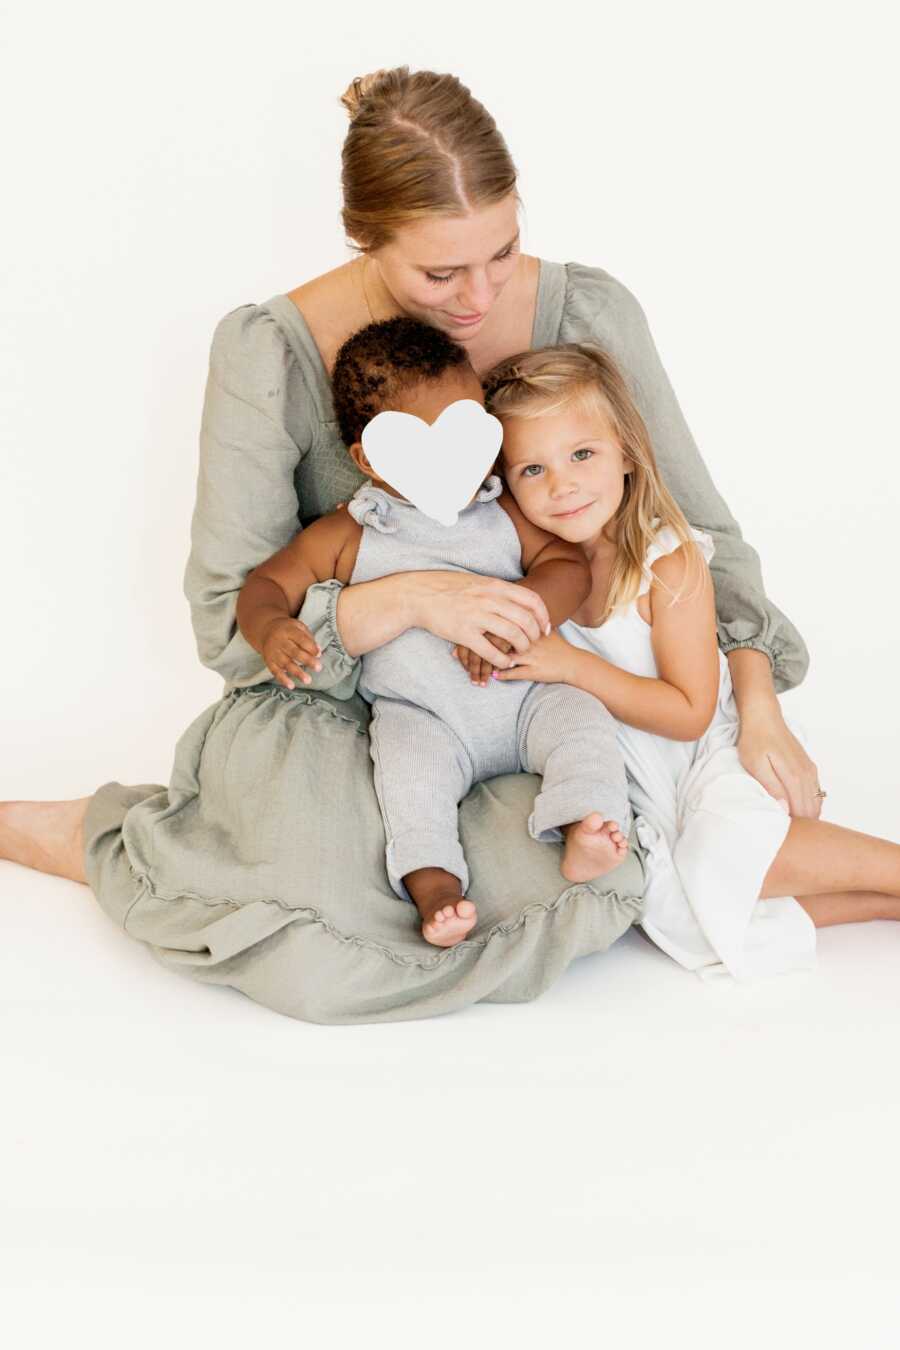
[680, 703]
[557, 570]
[275, 590]
[554, 569]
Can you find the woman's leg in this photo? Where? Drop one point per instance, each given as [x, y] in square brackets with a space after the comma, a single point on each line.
[837, 875]
[47, 836]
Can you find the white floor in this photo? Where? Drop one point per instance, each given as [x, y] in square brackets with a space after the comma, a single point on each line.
[636, 1156]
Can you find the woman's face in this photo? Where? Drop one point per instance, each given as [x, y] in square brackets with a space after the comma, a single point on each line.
[566, 470]
[445, 269]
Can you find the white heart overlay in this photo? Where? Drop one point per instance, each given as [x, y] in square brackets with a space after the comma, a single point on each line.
[440, 467]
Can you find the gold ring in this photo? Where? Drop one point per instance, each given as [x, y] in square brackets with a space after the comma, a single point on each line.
[820, 793]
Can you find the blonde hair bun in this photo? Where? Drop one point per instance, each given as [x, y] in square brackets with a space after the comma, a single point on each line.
[358, 90]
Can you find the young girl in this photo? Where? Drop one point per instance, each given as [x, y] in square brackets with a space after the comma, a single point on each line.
[724, 859]
[432, 736]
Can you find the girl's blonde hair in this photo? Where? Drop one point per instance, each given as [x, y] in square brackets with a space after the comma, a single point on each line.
[581, 375]
[418, 145]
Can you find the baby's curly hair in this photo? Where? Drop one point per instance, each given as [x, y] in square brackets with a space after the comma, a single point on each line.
[377, 363]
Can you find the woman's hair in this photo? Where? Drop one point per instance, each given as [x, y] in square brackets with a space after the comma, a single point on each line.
[418, 145]
[379, 362]
[581, 375]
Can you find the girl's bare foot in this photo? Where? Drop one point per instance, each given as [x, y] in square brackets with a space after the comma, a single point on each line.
[594, 846]
[46, 836]
[449, 921]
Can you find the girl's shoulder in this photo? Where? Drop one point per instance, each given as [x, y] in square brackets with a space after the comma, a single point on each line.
[666, 562]
[665, 544]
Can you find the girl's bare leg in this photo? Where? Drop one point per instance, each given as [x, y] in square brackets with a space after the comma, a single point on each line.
[47, 836]
[837, 875]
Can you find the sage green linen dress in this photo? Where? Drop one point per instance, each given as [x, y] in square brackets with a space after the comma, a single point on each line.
[261, 866]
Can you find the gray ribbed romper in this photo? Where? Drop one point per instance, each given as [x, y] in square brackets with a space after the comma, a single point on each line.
[434, 733]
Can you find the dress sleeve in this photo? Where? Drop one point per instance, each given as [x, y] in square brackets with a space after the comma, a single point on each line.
[256, 427]
[600, 309]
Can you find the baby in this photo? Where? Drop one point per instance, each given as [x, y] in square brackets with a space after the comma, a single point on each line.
[434, 732]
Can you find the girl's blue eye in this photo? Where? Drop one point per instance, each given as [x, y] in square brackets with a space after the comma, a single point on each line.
[437, 281]
[526, 472]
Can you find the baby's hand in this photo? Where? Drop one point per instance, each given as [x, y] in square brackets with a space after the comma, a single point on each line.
[476, 667]
[287, 646]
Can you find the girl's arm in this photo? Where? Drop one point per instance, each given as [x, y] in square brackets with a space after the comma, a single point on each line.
[680, 703]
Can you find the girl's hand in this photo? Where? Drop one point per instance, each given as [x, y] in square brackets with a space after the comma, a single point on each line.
[770, 751]
[287, 645]
[549, 662]
[475, 666]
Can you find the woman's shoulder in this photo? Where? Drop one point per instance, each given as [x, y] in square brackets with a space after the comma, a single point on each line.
[266, 353]
[252, 337]
[331, 306]
[596, 304]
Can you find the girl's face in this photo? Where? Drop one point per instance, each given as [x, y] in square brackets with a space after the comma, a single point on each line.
[445, 269]
[566, 470]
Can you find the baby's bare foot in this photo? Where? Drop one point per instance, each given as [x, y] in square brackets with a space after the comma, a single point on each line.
[594, 846]
[448, 923]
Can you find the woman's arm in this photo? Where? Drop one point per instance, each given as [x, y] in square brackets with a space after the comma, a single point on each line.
[256, 427]
[767, 747]
[605, 311]
[602, 310]
[458, 606]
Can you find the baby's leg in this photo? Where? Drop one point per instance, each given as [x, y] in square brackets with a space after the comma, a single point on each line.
[421, 775]
[569, 737]
[837, 875]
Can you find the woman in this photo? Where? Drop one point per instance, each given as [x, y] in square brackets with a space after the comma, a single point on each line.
[261, 866]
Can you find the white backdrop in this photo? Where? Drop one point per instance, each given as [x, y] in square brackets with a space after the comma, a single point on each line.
[731, 166]
[734, 165]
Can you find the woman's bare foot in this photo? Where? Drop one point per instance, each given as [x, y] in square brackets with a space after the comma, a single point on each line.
[594, 846]
[449, 922]
[46, 836]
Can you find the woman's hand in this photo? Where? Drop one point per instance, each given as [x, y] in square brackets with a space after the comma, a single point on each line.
[549, 662]
[770, 751]
[469, 610]
[286, 646]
